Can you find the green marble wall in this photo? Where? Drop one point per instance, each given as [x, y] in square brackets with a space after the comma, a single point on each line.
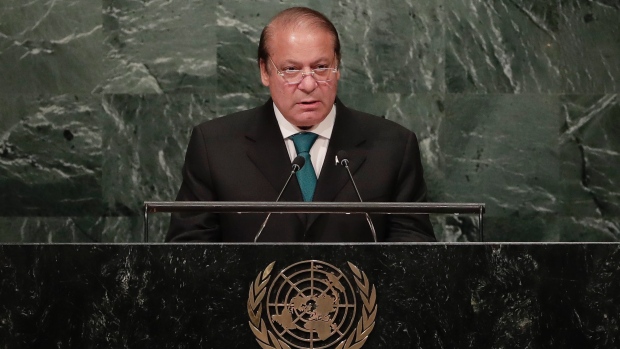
[516, 103]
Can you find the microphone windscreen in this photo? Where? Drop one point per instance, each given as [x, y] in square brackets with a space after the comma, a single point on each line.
[298, 163]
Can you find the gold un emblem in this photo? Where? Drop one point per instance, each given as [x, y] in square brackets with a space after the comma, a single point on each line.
[311, 304]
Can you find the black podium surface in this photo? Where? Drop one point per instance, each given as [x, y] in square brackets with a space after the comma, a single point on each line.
[435, 295]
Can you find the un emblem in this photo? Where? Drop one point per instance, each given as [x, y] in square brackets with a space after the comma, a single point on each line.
[311, 304]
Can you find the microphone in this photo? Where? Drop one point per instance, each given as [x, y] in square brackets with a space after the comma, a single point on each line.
[343, 159]
[296, 165]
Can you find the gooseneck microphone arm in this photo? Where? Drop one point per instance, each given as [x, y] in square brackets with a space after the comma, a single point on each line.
[343, 159]
[296, 165]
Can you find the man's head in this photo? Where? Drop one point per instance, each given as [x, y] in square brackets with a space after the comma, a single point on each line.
[300, 39]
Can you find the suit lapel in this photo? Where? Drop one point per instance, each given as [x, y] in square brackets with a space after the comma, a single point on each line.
[267, 151]
[347, 135]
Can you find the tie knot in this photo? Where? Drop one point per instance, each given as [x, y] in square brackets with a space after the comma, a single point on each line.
[304, 141]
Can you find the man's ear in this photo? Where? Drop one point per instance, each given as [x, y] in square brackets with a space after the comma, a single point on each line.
[264, 74]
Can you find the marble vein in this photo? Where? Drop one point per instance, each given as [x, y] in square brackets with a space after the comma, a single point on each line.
[225, 19]
[71, 37]
[505, 59]
[51, 4]
[535, 19]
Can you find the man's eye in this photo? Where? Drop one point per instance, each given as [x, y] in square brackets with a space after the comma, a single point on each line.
[321, 67]
[290, 70]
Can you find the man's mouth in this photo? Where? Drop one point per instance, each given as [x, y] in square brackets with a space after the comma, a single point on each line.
[308, 102]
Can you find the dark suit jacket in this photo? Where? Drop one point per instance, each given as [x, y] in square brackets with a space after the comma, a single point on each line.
[242, 157]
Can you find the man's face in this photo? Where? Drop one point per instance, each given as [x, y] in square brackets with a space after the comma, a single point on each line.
[309, 102]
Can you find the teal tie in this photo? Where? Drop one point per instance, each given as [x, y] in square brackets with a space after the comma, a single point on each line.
[306, 176]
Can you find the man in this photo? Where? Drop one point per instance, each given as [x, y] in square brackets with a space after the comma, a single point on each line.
[247, 156]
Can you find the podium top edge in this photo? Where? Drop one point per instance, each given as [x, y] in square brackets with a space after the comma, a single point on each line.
[495, 244]
[312, 207]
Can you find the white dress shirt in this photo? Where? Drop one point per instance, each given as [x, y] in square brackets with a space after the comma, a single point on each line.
[319, 148]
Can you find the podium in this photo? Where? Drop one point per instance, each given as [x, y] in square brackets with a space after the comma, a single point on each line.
[429, 295]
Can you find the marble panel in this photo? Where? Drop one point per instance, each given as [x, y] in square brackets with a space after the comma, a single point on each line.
[582, 229]
[145, 138]
[501, 150]
[50, 47]
[527, 228]
[130, 229]
[51, 229]
[160, 46]
[239, 26]
[590, 161]
[459, 228]
[391, 46]
[233, 102]
[590, 46]
[502, 46]
[50, 156]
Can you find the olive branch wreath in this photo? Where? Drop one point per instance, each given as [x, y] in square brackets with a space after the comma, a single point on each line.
[267, 340]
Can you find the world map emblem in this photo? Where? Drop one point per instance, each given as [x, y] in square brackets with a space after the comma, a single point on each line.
[312, 304]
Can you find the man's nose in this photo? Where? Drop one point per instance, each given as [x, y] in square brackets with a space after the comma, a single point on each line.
[308, 83]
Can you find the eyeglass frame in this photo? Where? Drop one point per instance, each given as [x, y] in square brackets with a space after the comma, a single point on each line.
[303, 74]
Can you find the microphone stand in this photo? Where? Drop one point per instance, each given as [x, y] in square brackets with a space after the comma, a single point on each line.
[345, 163]
[297, 164]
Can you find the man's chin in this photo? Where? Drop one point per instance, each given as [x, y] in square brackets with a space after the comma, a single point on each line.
[308, 119]
[308, 122]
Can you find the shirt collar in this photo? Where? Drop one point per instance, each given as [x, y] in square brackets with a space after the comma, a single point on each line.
[323, 129]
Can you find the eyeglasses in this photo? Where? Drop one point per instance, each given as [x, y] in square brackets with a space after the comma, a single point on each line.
[295, 76]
